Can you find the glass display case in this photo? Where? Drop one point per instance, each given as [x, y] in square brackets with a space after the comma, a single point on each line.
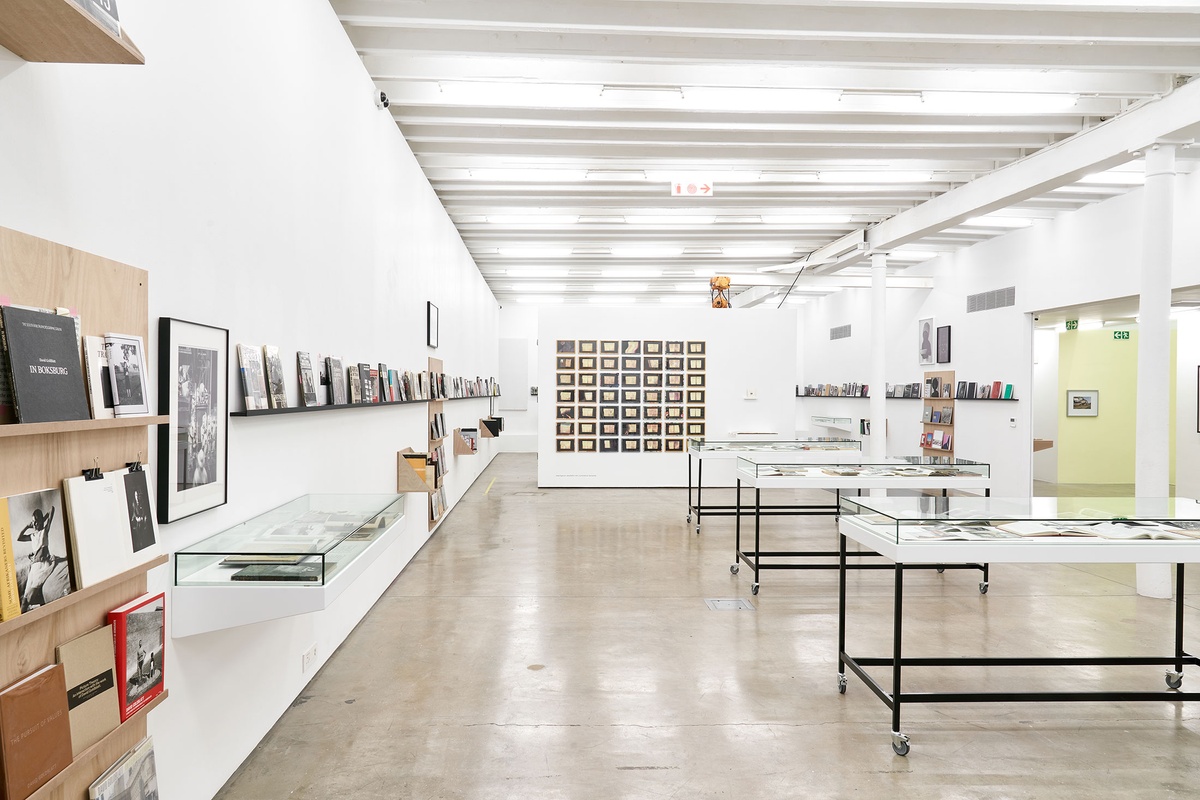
[302, 543]
[777, 446]
[923, 467]
[1037, 520]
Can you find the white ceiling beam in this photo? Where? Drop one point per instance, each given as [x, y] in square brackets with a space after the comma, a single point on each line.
[894, 151]
[1102, 147]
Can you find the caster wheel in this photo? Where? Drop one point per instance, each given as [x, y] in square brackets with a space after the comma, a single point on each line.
[941, 570]
[900, 748]
[754, 589]
[841, 684]
[697, 530]
[689, 519]
[733, 569]
[1174, 680]
[983, 587]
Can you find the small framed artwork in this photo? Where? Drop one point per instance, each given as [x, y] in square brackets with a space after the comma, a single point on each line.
[631, 364]
[695, 429]
[587, 429]
[565, 346]
[608, 363]
[674, 429]
[653, 364]
[695, 379]
[631, 412]
[652, 348]
[565, 412]
[631, 429]
[674, 445]
[587, 345]
[1083, 402]
[674, 348]
[431, 324]
[565, 429]
[674, 412]
[652, 396]
[631, 379]
[695, 412]
[587, 445]
[925, 341]
[695, 364]
[608, 396]
[192, 455]
[652, 429]
[652, 379]
[674, 379]
[566, 395]
[608, 347]
[943, 344]
[610, 445]
[695, 396]
[566, 445]
[674, 396]
[587, 362]
[695, 348]
[587, 379]
[610, 379]
[566, 362]
[609, 428]
[674, 363]
[631, 396]
[652, 412]
[587, 412]
[587, 395]
[631, 347]
[631, 445]
[566, 379]
[609, 412]
[652, 445]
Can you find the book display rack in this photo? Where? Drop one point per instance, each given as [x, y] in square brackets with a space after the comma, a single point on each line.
[937, 434]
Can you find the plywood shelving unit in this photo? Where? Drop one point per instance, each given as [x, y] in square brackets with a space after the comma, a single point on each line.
[945, 399]
[59, 31]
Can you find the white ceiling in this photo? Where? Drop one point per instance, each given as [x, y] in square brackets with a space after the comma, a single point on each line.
[552, 129]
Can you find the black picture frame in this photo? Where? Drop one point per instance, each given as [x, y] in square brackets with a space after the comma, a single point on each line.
[943, 344]
[195, 439]
[431, 324]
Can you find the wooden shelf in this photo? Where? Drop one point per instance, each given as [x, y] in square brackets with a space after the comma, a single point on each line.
[63, 603]
[270, 412]
[87, 760]
[73, 426]
[940, 425]
[938, 449]
[59, 31]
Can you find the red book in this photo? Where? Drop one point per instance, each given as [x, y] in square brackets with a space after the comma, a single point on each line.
[138, 640]
[996, 385]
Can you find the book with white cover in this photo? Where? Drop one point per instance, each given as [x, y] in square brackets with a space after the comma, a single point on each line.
[95, 371]
[112, 525]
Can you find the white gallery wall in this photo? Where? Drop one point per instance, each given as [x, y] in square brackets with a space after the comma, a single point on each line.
[746, 349]
[518, 374]
[246, 168]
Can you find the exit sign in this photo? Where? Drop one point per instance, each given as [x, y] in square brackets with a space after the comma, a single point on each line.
[1072, 324]
[1120, 334]
[692, 187]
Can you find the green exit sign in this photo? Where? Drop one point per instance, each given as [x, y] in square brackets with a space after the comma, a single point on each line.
[1120, 334]
[1072, 324]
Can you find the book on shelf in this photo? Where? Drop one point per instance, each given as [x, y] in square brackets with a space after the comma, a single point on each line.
[112, 523]
[88, 669]
[273, 365]
[127, 374]
[138, 642]
[947, 441]
[44, 369]
[308, 380]
[133, 776]
[254, 382]
[961, 390]
[35, 734]
[385, 386]
[971, 390]
[927, 415]
[36, 559]
[354, 384]
[947, 414]
[96, 374]
[936, 417]
[1008, 391]
[304, 572]
[364, 383]
[373, 384]
[336, 378]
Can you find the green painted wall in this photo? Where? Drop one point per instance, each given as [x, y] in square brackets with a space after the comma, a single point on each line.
[1100, 449]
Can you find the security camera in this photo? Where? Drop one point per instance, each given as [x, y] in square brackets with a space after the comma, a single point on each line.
[382, 100]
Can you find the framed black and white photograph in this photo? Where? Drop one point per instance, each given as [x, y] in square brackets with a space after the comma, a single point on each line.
[431, 324]
[127, 373]
[925, 335]
[1083, 402]
[192, 453]
[943, 344]
[137, 505]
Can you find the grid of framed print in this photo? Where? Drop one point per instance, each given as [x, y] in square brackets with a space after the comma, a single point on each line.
[629, 395]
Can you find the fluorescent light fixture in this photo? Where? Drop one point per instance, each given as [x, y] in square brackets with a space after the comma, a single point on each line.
[532, 219]
[614, 300]
[806, 219]
[714, 175]
[669, 219]
[527, 94]
[775, 176]
[998, 221]
[1115, 177]
[529, 175]
[601, 219]
[534, 252]
[698, 286]
[539, 300]
[874, 176]
[616, 175]
[620, 287]
[642, 95]
[998, 102]
[761, 98]
[536, 273]
[549, 288]
[759, 252]
[631, 273]
[880, 100]
[646, 252]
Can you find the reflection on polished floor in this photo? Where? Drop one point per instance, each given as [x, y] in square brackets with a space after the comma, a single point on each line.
[556, 644]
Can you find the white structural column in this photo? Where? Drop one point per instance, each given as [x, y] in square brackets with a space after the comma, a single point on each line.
[1152, 474]
[877, 442]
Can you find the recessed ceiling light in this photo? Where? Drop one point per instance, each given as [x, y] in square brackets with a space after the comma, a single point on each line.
[534, 252]
[646, 252]
[669, 219]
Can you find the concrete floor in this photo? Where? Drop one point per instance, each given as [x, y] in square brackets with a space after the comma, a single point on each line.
[556, 644]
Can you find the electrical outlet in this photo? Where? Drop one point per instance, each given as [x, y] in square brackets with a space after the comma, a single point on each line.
[751, 394]
[308, 659]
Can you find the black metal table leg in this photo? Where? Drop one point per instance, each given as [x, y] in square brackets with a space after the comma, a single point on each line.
[899, 740]
[737, 530]
[841, 677]
[689, 504]
[699, 492]
[757, 532]
[1175, 679]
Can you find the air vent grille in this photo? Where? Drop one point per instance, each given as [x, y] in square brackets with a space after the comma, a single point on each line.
[997, 298]
[840, 332]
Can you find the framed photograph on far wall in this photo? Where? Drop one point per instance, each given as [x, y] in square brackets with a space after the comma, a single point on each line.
[1083, 402]
[193, 391]
[925, 335]
[943, 344]
[431, 324]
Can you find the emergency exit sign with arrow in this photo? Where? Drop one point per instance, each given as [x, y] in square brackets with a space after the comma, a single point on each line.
[692, 187]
